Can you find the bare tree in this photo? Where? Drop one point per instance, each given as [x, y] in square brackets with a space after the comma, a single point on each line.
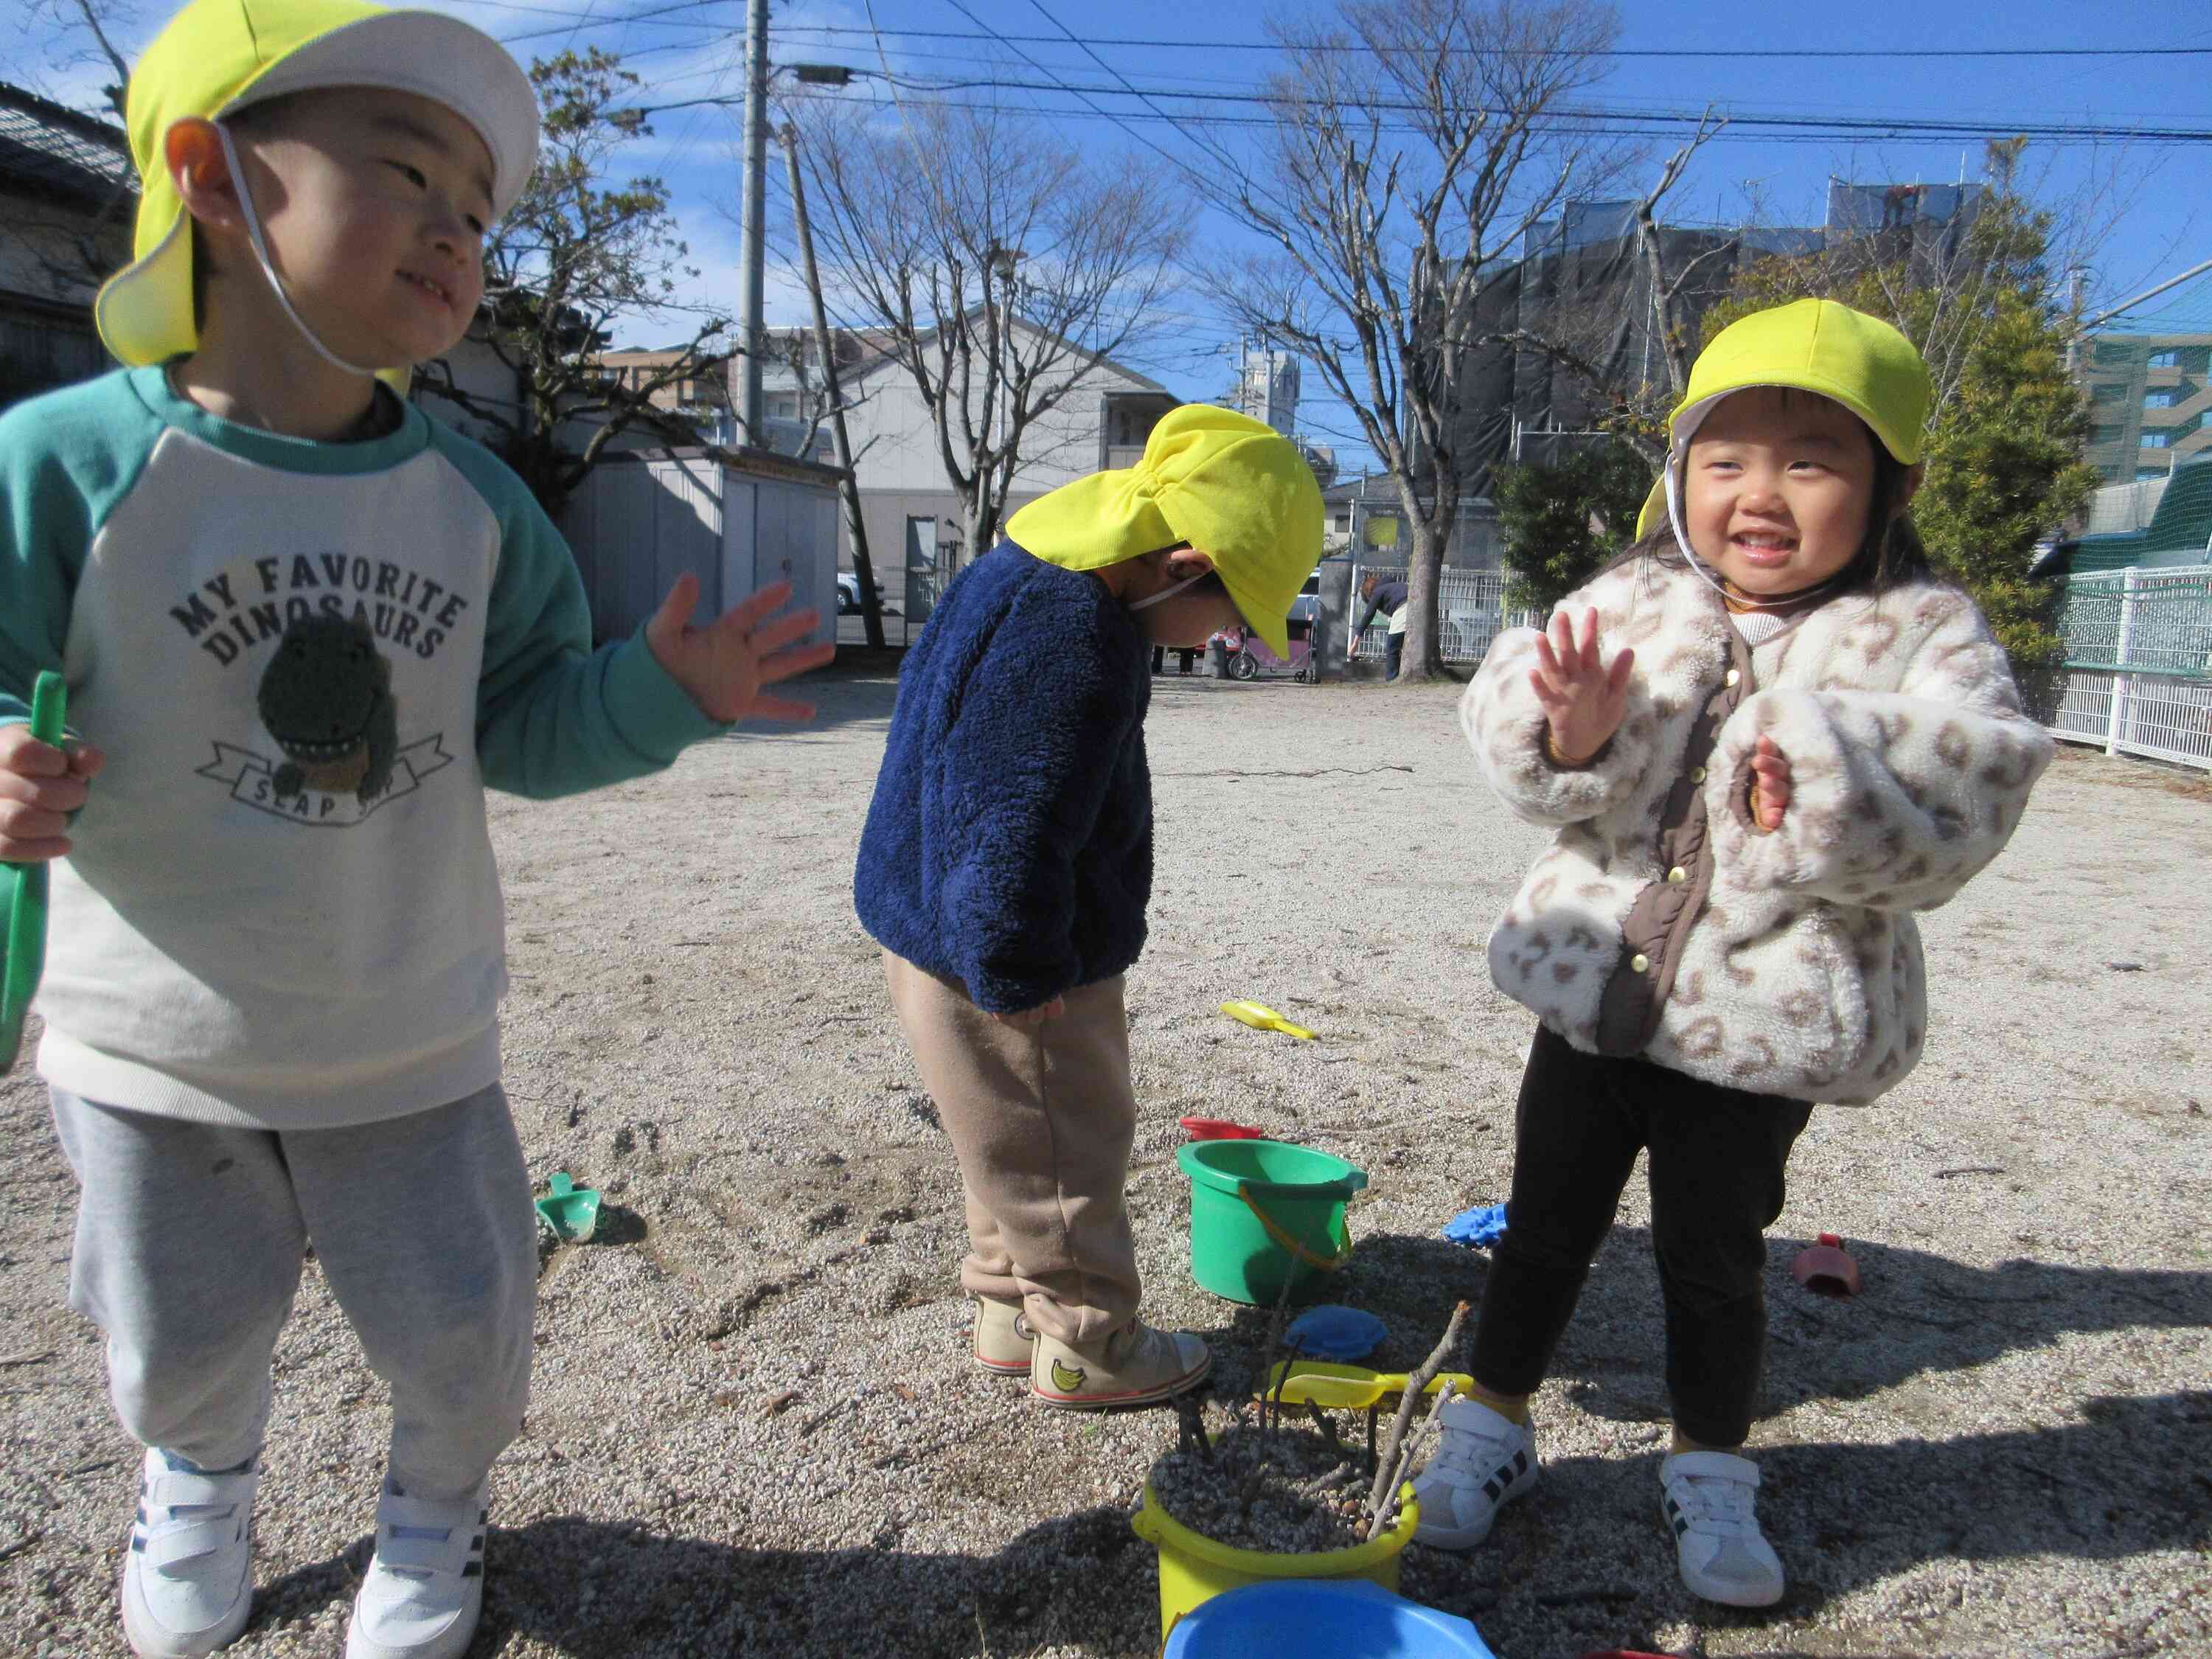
[1413, 145]
[96, 19]
[1000, 265]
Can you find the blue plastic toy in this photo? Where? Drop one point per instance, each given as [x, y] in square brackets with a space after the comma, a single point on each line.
[1481, 1226]
[1334, 1331]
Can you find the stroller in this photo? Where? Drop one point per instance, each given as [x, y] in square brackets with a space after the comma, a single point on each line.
[1248, 657]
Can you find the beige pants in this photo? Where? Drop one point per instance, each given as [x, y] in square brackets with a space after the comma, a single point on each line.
[1041, 1120]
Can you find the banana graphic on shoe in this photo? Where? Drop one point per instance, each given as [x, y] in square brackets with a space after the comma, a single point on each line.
[1066, 1380]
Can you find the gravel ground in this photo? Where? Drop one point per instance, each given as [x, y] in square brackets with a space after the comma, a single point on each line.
[756, 1428]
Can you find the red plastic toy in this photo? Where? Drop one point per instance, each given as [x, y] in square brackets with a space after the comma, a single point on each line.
[1826, 1268]
[1219, 1128]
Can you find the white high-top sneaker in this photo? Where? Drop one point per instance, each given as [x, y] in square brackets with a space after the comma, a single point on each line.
[188, 1575]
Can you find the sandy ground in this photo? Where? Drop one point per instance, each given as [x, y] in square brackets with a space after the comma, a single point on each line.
[756, 1428]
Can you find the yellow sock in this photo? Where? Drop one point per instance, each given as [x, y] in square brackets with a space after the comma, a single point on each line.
[1514, 1408]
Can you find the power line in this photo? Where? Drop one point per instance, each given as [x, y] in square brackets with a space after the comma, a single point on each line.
[1672, 127]
[1616, 52]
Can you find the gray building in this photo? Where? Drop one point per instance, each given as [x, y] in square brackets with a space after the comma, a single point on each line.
[68, 195]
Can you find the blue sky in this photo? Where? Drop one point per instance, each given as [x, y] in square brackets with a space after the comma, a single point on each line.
[2149, 203]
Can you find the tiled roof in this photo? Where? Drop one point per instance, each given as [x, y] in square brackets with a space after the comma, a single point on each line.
[52, 148]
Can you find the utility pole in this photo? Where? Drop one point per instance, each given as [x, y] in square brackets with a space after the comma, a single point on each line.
[848, 489]
[752, 214]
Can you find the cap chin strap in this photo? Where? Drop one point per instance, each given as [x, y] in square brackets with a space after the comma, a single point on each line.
[1741, 601]
[261, 253]
[1170, 592]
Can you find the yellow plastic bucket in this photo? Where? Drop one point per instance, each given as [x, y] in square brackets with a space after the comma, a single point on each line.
[1194, 1568]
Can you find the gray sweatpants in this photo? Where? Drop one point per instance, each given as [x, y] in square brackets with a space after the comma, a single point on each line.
[189, 1245]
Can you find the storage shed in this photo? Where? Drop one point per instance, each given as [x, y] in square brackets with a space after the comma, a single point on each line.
[641, 518]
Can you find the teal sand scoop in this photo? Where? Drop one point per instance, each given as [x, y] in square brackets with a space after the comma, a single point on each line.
[572, 1211]
[25, 886]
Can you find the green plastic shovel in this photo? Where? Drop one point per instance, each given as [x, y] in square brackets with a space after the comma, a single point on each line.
[26, 885]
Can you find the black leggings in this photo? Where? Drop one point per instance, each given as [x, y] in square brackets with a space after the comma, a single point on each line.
[1716, 1185]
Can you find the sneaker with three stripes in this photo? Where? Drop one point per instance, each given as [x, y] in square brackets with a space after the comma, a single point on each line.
[1484, 1461]
[1708, 1500]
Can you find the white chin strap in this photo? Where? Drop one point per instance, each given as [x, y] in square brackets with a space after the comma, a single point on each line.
[1170, 592]
[1741, 601]
[261, 253]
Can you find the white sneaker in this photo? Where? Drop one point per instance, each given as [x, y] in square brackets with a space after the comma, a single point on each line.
[424, 1590]
[1709, 1503]
[1483, 1462]
[188, 1575]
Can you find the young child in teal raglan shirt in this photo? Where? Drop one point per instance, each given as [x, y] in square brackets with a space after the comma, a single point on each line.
[306, 629]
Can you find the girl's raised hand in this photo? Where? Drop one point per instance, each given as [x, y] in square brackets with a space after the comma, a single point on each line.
[1769, 784]
[1581, 698]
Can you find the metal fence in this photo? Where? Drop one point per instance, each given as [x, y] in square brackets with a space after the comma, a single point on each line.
[2138, 673]
[1471, 612]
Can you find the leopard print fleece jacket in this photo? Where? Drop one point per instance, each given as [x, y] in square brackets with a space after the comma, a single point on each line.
[1662, 922]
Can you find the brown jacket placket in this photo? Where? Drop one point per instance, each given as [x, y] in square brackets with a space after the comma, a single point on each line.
[1658, 924]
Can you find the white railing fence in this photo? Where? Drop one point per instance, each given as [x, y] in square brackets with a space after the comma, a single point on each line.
[1471, 612]
[2137, 678]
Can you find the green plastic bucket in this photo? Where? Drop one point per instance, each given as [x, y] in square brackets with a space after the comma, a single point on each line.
[1264, 1213]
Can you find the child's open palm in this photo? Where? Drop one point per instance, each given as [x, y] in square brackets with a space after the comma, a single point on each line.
[727, 665]
[1582, 699]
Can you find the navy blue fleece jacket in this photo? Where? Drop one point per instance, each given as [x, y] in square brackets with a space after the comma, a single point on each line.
[1010, 842]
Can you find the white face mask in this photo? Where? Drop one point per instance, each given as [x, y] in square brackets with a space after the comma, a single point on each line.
[1170, 592]
[261, 253]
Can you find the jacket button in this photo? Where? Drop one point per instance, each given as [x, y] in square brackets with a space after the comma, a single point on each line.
[1733, 675]
[1639, 964]
[1678, 875]
[1696, 775]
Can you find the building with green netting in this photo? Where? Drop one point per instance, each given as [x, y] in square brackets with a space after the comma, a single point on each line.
[2150, 401]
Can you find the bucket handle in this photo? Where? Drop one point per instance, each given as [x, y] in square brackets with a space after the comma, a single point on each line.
[1282, 1237]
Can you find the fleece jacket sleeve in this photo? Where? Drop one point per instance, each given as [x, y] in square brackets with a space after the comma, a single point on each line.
[1506, 724]
[554, 717]
[1896, 798]
[1021, 778]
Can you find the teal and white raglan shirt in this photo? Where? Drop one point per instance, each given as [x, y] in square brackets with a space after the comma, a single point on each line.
[306, 662]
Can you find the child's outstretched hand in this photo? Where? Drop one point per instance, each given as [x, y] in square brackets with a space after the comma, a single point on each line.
[1769, 784]
[726, 664]
[1582, 699]
[39, 786]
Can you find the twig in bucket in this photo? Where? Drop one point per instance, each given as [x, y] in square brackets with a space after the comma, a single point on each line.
[1327, 1428]
[1190, 1419]
[1291, 1356]
[1416, 1445]
[1379, 1499]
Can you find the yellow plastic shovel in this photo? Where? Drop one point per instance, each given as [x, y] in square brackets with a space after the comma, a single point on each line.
[1350, 1388]
[1261, 1018]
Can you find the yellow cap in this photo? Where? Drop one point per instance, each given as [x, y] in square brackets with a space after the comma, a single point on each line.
[217, 56]
[1812, 345]
[1234, 488]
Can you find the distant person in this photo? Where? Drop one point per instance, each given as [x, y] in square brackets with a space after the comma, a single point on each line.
[1815, 737]
[1007, 863]
[1389, 598]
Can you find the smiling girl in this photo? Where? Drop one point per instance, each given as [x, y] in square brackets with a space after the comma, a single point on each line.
[1765, 736]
